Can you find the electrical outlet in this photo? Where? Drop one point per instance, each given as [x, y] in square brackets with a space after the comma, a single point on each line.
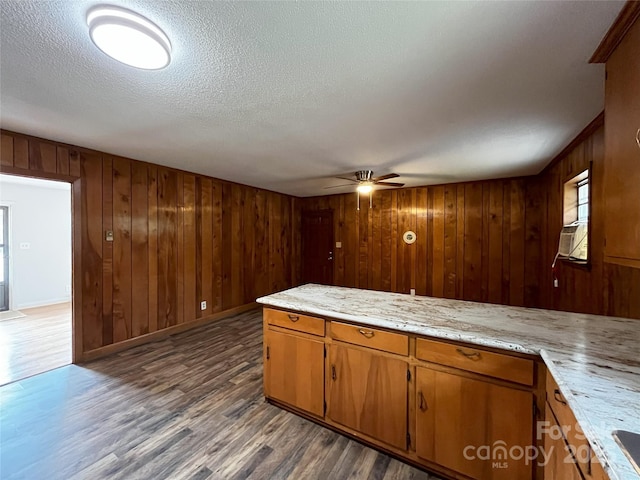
[413, 292]
[203, 305]
[25, 246]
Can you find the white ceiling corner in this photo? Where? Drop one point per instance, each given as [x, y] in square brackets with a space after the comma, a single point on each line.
[285, 95]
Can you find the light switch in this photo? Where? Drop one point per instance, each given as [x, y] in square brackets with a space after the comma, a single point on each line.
[338, 244]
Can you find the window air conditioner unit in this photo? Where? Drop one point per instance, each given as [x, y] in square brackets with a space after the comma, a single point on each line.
[574, 241]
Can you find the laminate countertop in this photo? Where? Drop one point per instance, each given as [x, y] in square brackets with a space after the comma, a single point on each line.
[594, 359]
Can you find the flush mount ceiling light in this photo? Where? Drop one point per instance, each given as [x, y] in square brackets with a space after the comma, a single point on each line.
[129, 37]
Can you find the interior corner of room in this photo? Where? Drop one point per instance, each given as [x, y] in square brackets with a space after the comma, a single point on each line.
[413, 228]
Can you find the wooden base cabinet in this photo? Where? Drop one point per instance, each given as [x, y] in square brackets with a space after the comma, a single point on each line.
[294, 371]
[560, 464]
[473, 426]
[368, 392]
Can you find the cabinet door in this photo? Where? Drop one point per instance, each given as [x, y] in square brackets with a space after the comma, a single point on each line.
[560, 464]
[369, 393]
[470, 425]
[622, 156]
[294, 371]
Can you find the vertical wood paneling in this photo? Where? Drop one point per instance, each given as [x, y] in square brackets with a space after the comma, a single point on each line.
[260, 222]
[42, 156]
[204, 250]
[248, 244]
[438, 242]
[516, 251]
[421, 247]
[473, 242]
[464, 246]
[91, 273]
[62, 160]
[179, 251]
[6, 150]
[140, 212]
[450, 243]
[533, 259]
[152, 248]
[176, 237]
[107, 250]
[190, 301]
[21, 153]
[494, 267]
[121, 249]
[236, 273]
[217, 246]
[167, 242]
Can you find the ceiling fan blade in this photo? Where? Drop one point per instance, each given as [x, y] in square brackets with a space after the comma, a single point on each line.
[390, 184]
[384, 177]
[347, 178]
[342, 185]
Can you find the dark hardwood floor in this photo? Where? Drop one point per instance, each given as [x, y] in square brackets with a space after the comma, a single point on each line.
[188, 407]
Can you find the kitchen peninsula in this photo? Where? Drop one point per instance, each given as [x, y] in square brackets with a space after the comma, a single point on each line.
[424, 377]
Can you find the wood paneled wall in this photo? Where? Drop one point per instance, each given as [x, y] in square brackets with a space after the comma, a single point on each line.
[475, 241]
[179, 239]
[602, 288]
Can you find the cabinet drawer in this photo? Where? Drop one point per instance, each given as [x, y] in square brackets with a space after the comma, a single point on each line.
[371, 337]
[514, 369]
[294, 321]
[570, 428]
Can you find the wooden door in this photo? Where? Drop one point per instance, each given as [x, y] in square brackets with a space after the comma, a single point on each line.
[294, 371]
[368, 393]
[560, 465]
[456, 416]
[317, 247]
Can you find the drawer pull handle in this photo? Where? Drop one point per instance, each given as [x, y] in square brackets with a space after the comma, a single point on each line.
[472, 355]
[558, 397]
[293, 318]
[333, 372]
[366, 333]
[422, 402]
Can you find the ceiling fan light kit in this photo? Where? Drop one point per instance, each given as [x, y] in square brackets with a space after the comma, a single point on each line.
[365, 181]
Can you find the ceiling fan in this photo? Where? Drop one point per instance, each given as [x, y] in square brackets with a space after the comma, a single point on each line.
[365, 182]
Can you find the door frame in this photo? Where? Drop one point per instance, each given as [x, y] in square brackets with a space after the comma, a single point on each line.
[333, 240]
[76, 250]
[9, 247]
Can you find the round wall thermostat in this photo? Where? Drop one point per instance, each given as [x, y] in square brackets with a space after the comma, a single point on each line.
[409, 237]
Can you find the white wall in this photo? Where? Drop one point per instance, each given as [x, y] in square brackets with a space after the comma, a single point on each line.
[39, 215]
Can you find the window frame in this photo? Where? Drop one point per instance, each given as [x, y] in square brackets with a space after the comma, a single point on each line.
[570, 206]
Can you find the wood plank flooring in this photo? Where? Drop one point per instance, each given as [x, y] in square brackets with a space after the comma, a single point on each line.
[35, 343]
[187, 407]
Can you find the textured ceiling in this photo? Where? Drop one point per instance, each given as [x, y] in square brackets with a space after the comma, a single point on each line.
[285, 95]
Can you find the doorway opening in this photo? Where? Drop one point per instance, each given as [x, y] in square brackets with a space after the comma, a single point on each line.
[36, 276]
[317, 247]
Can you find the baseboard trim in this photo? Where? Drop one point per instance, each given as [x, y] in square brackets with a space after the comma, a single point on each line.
[160, 334]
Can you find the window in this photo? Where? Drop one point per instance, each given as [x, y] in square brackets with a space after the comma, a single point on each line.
[583, 200]
[574, 238]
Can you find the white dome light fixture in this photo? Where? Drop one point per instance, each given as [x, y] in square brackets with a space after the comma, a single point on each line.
[129, 37]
